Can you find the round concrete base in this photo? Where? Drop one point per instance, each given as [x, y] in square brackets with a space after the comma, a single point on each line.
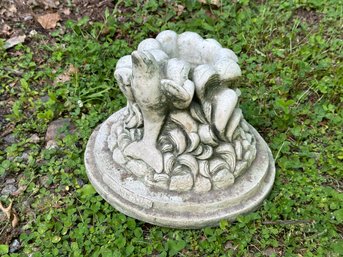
[169, 209]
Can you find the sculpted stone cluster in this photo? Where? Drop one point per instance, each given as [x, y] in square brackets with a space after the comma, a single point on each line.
[182, 129]
[180, 154]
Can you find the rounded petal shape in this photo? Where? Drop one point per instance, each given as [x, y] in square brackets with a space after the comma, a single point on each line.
[190, 89]
[225, 148]
[245, 125]
[168, 41]
[149, 44]
[165, 144]
[132, 123]
[177, 70]
[123, 141]
[124, 62]
[226, 54]
[123, 75]
[189, 46]
[159, 55]
[227, 69]
[202, 76]
[209, 51]
[224, 104]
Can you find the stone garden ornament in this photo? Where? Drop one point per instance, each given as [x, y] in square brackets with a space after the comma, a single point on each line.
[180, 154]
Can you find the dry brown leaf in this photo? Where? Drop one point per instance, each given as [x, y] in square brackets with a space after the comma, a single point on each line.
[6, 30]
[66, 11]
[7, 211]
[72, 69]
[12, 8]
[49, 21]
[64, 77]
[179, 9]
[7, 10]
[15, 220]
[10, 214]
[229, 245]
[214, 2]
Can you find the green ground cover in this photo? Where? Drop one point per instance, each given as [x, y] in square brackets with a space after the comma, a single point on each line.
[290, 54]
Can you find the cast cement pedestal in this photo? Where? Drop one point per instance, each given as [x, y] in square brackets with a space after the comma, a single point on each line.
[170, 209]
[181, 153]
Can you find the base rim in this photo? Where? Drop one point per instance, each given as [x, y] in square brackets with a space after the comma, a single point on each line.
[183, 220]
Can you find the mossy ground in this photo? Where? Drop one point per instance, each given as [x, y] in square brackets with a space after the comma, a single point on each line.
[290, 54]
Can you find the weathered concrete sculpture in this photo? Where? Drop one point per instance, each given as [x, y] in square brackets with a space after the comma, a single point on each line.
[180, 154]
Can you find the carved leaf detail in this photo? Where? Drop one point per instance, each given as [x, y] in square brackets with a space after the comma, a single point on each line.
[169, 161]
[227, 152]
[206, 154]
[189, 161]
[194, 142]
[204, 169]
[197, 113]
[178, 139]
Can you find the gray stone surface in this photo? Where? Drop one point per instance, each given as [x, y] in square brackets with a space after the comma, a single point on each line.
[34, 138]
[10, 139]
[8, 189]
[10, 181]
[181, 153]
[15, 246]
[58, 129]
